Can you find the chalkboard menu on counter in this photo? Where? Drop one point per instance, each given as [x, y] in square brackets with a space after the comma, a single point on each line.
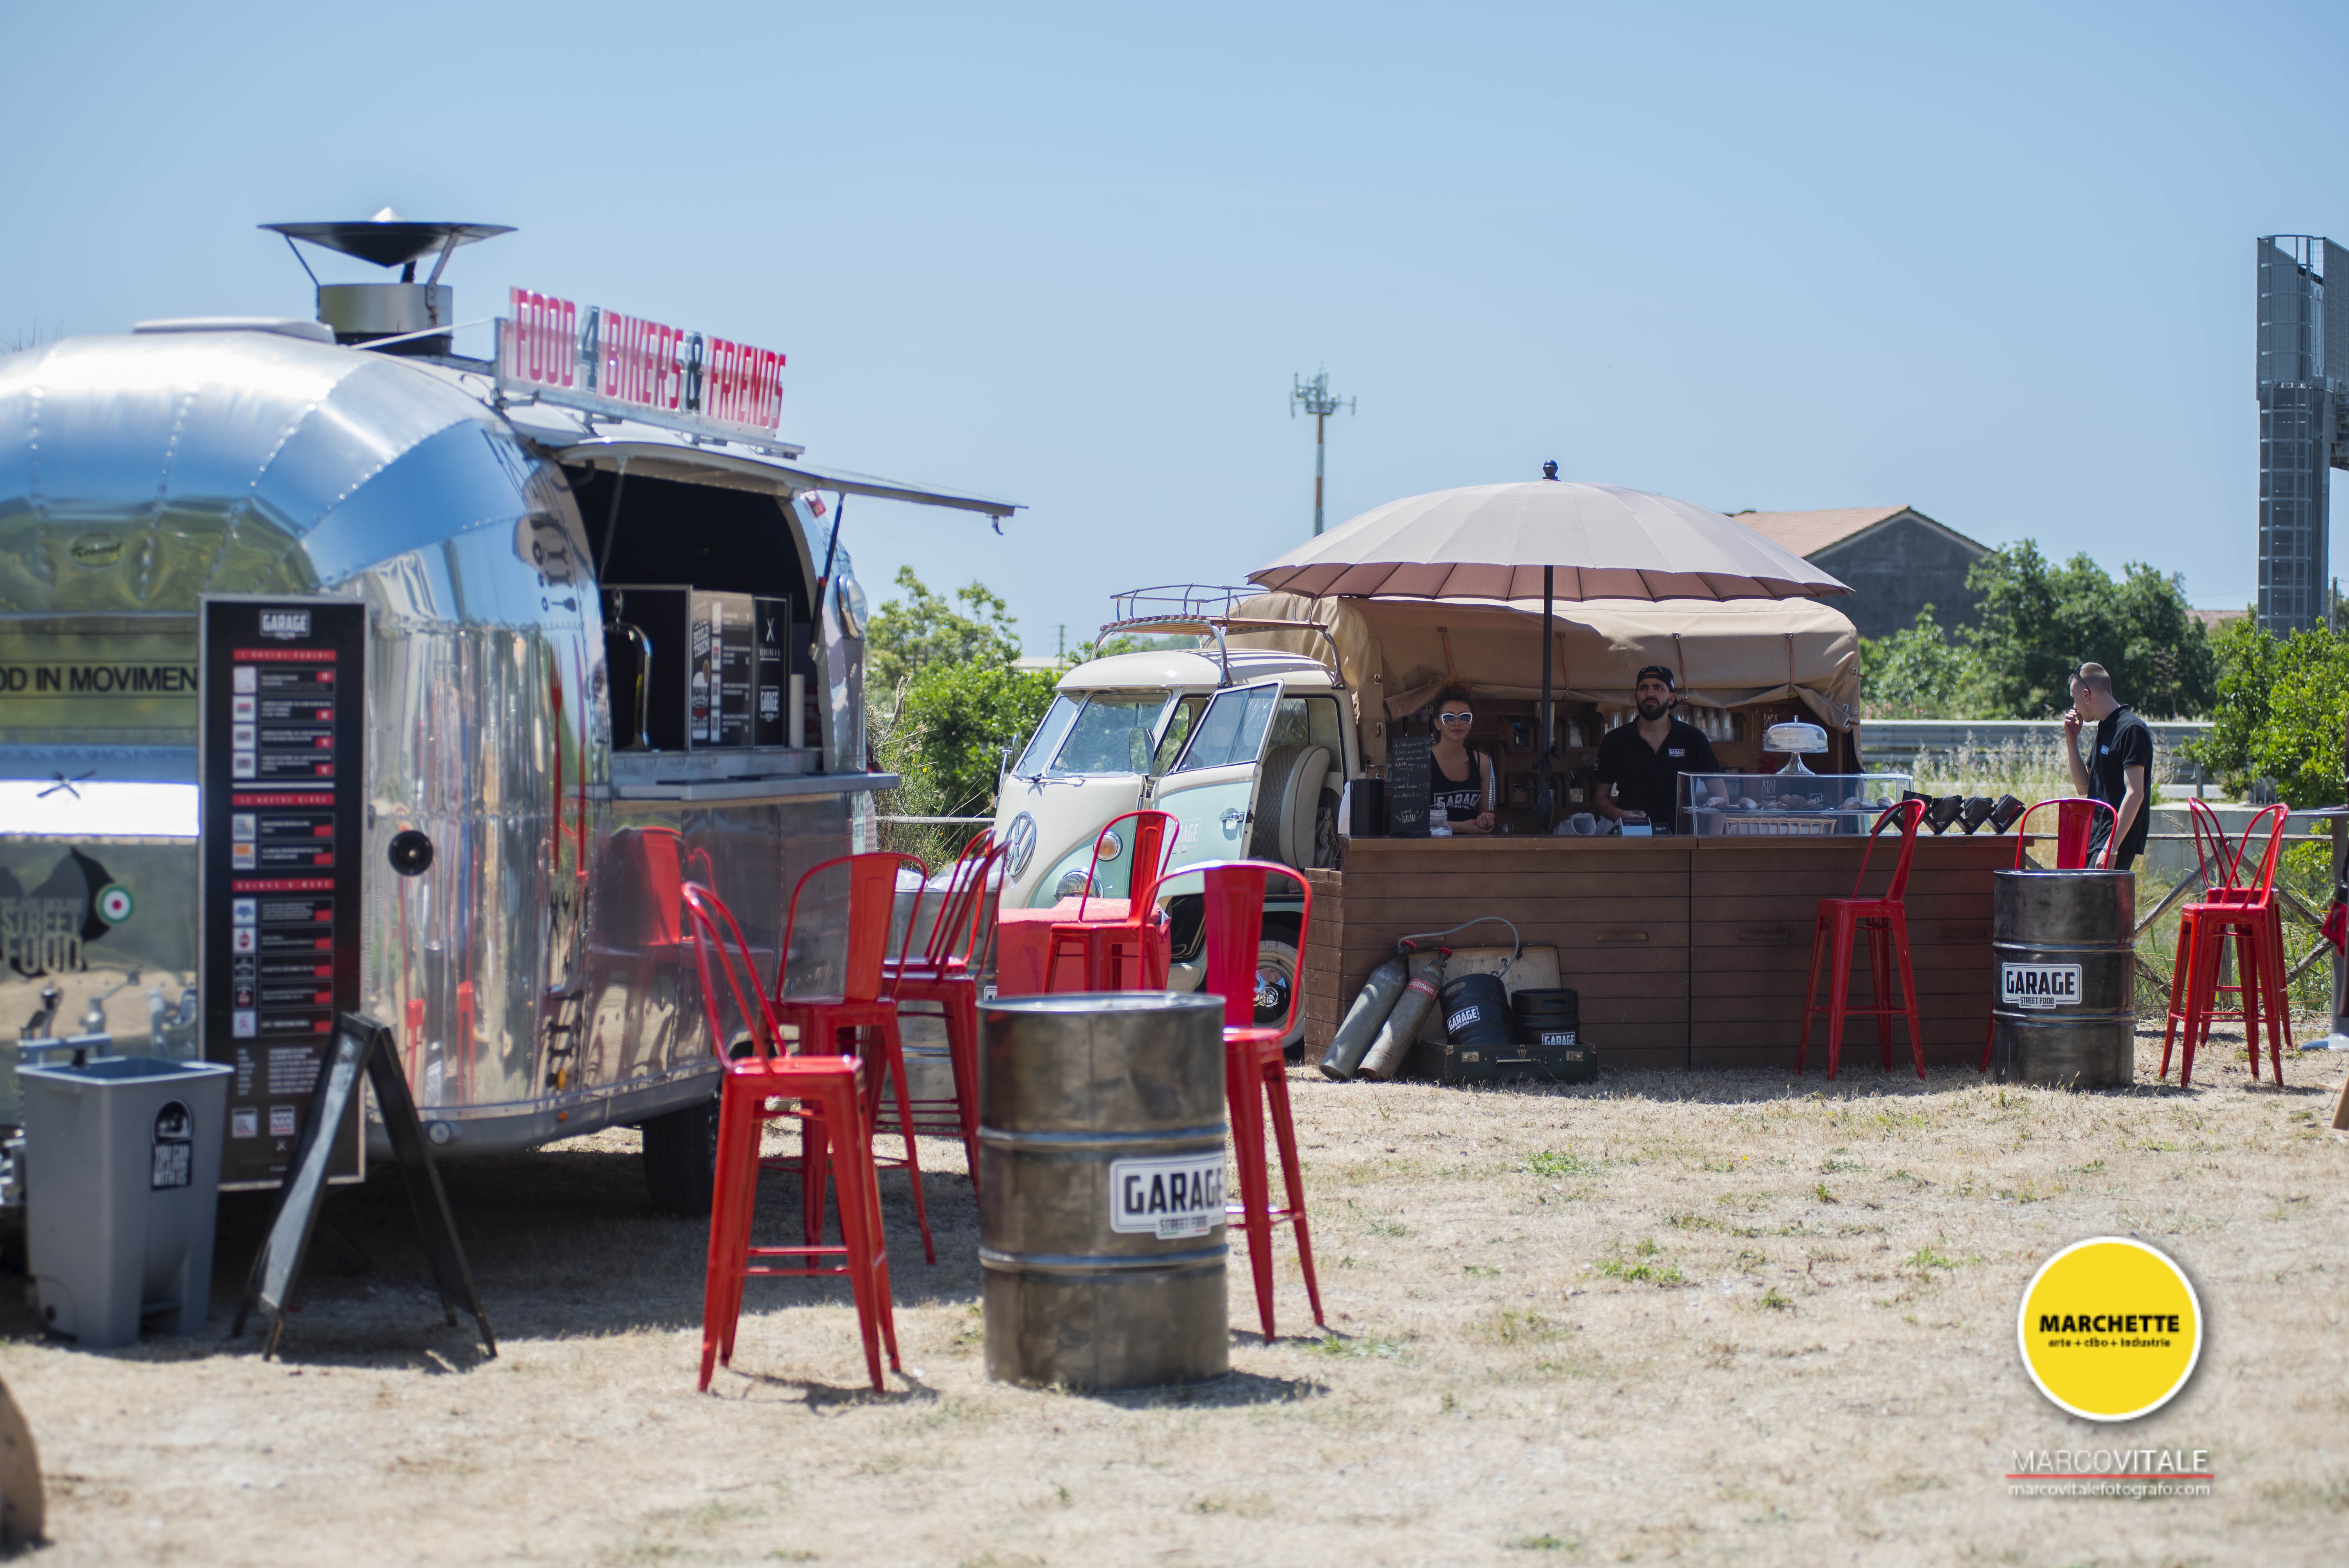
[1409, 786]
[281, 759]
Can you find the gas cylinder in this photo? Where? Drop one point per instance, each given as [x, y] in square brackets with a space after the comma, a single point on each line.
[1372, 1004]
[1401, 1027]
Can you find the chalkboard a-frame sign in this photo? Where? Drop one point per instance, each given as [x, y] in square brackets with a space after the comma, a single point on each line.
[1409, 787]
[280, 756]
[363, 1054]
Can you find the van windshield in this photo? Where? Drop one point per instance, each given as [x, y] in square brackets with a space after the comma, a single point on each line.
[1048, 737]
[1112, 734]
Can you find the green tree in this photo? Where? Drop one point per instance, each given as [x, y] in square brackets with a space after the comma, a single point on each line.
[2040, 620]
[2282, 706]
[947, 734]
[928, 629]
[946, 698]
[2247, 660]
[1921, 672]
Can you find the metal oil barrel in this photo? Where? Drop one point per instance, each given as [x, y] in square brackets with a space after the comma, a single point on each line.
[2064, 963]
[1101, 1175]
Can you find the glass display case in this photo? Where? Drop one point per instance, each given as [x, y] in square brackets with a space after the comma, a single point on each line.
[1793, 804]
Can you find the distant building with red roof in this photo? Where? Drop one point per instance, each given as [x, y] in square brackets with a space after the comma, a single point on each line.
[1896, 560]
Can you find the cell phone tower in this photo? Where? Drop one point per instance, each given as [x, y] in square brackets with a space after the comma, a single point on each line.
[2304, 392]
[1314, 398]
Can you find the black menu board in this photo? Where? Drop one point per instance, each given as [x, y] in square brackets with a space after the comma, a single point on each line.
[1409, 788]
[736, 661]
[280, 757]
[772, 626]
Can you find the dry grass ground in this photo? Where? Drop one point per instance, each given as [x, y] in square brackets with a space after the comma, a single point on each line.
[1714, 1319]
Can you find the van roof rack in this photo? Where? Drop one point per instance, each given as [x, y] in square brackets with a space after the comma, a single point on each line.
[1205, 610]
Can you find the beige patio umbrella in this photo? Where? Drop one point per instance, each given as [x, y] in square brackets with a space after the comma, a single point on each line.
[1548, 538]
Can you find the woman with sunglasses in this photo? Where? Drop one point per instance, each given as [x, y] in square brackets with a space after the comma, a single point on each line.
[1461, 775]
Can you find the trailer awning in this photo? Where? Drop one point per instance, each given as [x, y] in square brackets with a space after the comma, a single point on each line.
[739, 467]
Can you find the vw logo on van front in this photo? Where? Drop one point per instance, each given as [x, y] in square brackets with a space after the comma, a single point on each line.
[1019, 840]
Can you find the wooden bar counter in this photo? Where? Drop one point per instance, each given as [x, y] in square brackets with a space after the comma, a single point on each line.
[1688, 951]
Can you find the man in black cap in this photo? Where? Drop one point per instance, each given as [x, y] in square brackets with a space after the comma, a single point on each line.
[1645, 758]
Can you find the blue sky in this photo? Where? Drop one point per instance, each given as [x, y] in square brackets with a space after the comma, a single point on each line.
[1994, 261]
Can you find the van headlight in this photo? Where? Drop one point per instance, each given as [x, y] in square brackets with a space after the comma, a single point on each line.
[1073, 882]
[1020, 845]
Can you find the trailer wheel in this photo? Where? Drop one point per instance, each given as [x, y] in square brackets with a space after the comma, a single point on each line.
[681, 1158]
[1277, 966]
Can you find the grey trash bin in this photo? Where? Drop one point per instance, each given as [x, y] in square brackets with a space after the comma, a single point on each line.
[122, 1163]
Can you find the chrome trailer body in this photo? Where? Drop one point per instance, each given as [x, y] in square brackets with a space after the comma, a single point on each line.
[531, 972]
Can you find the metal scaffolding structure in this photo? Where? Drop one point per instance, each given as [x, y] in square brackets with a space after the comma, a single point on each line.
[2303, 348]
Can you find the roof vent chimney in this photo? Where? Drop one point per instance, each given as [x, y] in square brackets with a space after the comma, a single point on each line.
[403, 317]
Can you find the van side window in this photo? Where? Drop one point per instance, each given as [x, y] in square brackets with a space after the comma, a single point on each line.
[1178, 730]
[1308, 721]
[1232, 729]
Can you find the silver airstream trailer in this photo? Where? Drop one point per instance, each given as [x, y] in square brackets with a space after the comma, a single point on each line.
[543, 553]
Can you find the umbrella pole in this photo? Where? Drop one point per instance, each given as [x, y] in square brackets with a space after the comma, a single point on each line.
[1545, 791]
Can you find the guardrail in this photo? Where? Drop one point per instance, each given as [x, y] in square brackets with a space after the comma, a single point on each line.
[1889, 740]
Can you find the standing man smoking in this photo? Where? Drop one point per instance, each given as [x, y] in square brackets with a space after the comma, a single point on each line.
[2118, 772]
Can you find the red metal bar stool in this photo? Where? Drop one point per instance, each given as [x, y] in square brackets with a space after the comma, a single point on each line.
[1256, 1070]
[826, 1096]
[947, 973]
[2076, 823]
[1103, 945]
[863, 1004]
[2252, 916]
[2214, 864]
[1886, 920]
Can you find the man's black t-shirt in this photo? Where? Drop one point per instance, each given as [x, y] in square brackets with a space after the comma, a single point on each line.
[1648, 779]
[2123, 742]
